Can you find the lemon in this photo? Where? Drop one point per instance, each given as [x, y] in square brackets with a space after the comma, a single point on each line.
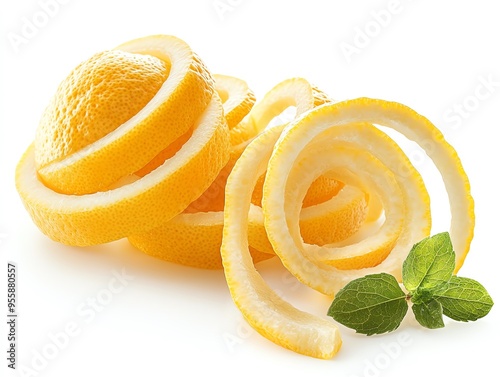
[125, 203]
[182, 88]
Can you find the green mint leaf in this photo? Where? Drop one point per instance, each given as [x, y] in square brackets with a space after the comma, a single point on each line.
[464, 299]
[429, 264]
[429, 314]
[373, 304]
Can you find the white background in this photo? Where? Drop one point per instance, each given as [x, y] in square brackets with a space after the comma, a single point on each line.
[173, 320]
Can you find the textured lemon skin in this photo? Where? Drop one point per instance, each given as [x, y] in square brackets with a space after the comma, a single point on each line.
[169, 114]
[97, 97]
[140, 206]
[190, 239]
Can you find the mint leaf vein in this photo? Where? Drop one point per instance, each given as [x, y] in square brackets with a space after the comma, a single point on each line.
[371, 305]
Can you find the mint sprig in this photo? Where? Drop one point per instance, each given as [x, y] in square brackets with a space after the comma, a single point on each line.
[376, 304]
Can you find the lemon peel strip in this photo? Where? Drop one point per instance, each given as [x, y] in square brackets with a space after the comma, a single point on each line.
[260, 305]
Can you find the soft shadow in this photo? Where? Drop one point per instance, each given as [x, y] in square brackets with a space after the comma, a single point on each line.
[120, 255]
